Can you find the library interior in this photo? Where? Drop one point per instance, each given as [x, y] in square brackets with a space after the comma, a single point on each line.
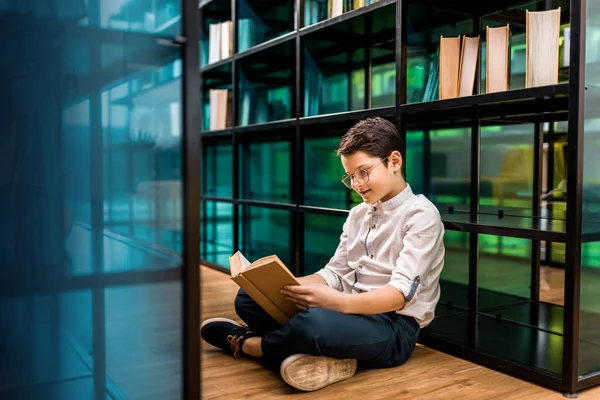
[150, 149]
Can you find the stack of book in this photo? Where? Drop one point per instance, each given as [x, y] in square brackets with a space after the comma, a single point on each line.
[220, 41]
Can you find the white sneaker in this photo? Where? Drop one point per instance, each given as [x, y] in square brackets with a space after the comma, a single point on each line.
[308, 373]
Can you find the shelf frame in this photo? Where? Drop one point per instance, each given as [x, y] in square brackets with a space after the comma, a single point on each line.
[560, 102]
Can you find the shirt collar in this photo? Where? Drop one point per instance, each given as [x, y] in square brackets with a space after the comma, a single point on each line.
[396, 200]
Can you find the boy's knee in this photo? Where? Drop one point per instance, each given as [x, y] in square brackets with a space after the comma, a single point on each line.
[242, 302]
[312, 324]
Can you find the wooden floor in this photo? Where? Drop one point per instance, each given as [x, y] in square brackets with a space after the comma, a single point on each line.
[427, 375]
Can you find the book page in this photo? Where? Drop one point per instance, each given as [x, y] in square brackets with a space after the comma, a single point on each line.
[542, 42]
[497, 54]
[468, 65]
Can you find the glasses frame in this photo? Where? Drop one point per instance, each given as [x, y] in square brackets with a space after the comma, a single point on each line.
[348, 179]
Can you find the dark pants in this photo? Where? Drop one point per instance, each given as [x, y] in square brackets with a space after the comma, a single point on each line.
[376, 340]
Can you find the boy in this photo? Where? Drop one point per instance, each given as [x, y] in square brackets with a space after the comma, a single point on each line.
[367, 305]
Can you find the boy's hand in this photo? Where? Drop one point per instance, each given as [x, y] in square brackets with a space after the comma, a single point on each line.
[314, 295]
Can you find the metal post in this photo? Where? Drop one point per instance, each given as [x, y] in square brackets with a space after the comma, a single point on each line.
[192, 162]
[574, 196]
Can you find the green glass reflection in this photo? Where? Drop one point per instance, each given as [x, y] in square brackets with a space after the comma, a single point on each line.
[323, 174]
[265, 94]
[439, 167]
[454, 280]
[321, 239]
[265, 171]
[216, 236]
[590, 252]
[423, 43]
[315, 11]
[217, 177]
[504, 270]
[266, 231]
[506, 168]
[333, 83]
[260, 21]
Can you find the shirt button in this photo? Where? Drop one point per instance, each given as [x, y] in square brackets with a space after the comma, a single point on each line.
[374, 226]
[374, 208]
[360, 266]
[371, 255]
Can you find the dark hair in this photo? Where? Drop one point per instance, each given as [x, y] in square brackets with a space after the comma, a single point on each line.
[376, 136]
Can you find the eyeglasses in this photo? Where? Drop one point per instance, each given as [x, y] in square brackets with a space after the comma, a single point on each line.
[361, 176]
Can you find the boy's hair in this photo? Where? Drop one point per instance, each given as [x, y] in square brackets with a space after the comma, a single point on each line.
[376, 136]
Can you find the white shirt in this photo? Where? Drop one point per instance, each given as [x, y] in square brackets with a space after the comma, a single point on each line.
[400, 243]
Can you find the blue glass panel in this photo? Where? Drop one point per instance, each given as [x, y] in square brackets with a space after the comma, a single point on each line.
[90, 196]
[217, 232]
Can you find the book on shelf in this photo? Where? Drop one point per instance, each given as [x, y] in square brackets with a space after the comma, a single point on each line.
[220, 109]
[432, 87]
[542, 41]
[468, 65]
[497, 60]
[449, 67]
[220, 41]
[263, 280]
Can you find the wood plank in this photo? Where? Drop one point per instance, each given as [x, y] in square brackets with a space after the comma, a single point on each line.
[428, 374]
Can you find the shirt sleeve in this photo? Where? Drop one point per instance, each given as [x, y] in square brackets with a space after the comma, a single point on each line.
[422, 243]
[337, 266]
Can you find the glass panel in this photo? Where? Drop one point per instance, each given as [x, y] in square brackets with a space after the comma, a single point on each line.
[425, 25]
[454, 281]
[439, 167]
[334, 74]
[265, 88]
[266, 231]
[589, 318]
[216, 244]
[214, 13]
[90, 151]
[151, 314]
[217, 79]
[217, 177]
[504, 271]
[322, 175]
[157, 17]
[321, 239]
[265, 170]
[260, 21]
[506, 170]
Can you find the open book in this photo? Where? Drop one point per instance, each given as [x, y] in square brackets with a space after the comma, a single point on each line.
[263, 281]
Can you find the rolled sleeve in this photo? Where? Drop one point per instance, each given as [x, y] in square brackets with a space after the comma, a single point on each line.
[337, 266]
[421, 245]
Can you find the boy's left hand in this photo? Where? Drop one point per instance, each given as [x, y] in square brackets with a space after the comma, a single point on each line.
[319, 296]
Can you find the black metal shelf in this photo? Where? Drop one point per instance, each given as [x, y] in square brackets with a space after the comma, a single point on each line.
[518, 335]
[264, 46]
[510, 226]
[348, 116]
[520, 104]
[216, 65]
[345, 17]
[218, 132]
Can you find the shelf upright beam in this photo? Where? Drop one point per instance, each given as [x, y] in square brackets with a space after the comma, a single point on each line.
[192, 164]
[401, 68]
[474, 203]
[235, 93]
[574, 196]
[368, 61]
[298, 166]
[538, 147]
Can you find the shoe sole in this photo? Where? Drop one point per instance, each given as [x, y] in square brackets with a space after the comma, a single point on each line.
[208, 321]
[308, 373]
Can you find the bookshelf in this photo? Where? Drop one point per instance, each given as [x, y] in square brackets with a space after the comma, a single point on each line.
[305, 79]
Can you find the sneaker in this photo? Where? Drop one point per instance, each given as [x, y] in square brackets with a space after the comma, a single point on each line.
[308, 373]
[225, 334]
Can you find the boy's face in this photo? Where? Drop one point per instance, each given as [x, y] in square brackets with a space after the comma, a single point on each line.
[371, 178]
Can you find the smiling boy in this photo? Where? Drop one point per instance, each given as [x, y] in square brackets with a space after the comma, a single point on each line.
[367, 305]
